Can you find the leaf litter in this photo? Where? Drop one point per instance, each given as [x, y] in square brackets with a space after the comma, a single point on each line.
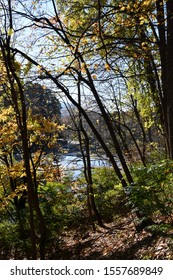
[118, 240]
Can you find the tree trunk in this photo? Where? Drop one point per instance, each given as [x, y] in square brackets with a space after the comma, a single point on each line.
[170, 75]
[17, 96]
[93, 211]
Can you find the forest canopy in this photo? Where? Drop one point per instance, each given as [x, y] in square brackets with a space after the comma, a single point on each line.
[91, 80]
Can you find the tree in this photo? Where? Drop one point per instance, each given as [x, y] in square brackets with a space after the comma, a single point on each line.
[165, 44]
[42, 102]
[109, 41]
[135, 30]
[13, 88]
[21, 132]
[88, 81]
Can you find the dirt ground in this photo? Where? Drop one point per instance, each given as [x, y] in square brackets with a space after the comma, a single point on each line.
[118, 241]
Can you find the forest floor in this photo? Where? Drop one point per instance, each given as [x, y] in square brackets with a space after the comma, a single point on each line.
[118, 241]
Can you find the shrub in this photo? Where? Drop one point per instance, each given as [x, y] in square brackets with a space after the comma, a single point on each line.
[153, 189]
[60, 204]
[108, 193]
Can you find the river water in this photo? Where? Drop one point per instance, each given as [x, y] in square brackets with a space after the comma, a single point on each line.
[73, 163]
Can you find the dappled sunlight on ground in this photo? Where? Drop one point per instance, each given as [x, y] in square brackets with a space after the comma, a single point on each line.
[117, 241]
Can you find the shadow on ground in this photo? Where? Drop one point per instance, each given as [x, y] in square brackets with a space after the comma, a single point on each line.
[116, 243]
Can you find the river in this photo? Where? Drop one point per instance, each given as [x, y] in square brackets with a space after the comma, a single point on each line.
[74, 163]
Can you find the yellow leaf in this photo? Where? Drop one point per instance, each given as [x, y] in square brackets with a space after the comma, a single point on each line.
[107, 67]
[10, 31]
[122, 8]
[94, 77]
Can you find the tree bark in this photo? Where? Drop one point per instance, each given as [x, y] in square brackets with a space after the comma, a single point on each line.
[169, 106]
